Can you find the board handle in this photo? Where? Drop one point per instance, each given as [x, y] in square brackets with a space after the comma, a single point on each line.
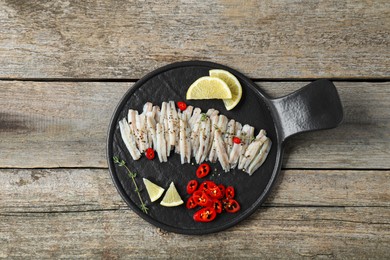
[316, 106]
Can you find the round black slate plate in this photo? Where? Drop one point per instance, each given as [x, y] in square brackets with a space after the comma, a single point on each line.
[171, 83]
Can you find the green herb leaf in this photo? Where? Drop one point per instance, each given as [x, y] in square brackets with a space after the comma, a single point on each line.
[203, 117]
[144, 208]
[132, 175]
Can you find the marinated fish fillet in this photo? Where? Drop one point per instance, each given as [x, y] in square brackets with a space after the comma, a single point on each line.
[193, 134]
[260, 157]
[128, 139]
[252, 150]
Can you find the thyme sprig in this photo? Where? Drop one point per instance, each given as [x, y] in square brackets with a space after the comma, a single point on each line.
[203, 117]
[132, 175]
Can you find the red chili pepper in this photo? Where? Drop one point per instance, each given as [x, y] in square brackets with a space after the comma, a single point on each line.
[205, 215]
[202, 199]
[229, 192]
[231, 206]
[217, 205]
[206, 185]
[191, 203]
[212, 198]
[149, 153]
[222, 188]
[203, 170]
[191, 186]
[236, 140]
[215, 192]
[181, 105]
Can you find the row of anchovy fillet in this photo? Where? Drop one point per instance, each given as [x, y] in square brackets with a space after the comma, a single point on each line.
[191, 133]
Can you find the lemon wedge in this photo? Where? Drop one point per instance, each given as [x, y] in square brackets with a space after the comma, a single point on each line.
[171, 197]
[209, 88]
[154, 191]
[233, 84]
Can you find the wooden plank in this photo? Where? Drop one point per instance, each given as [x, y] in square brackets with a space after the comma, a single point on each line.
[121, 39]
[361, 141]
[61, 190]
[288, 233]
[69, 128]
[56, 124]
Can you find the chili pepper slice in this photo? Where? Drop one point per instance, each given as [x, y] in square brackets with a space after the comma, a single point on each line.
[222, 188]
[229, 192]
[191, 203]
[202, 199]
[205, 215]
[236, 140]
[231, 206]
[215, 192]
[217, 205]
[191, 186]
[181, 105]
[206, 185]
[203, 170]
[149, 153]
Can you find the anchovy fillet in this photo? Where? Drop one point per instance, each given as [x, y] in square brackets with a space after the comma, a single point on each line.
[193, 134]
[128, 139]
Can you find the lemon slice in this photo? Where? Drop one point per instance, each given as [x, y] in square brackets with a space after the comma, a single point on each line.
[171, 197]
[209, 88]
[233, 84]
[154, 191]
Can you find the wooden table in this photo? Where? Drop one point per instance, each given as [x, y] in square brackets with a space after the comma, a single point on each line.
[64, 65]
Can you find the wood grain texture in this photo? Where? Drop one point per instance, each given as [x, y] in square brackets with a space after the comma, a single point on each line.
[56, 124]
[72, 190]
[69, 128]
[272, 39]
[361, 141]
[321, 232]
[72, 213]
[77, 213]
[331, 200]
